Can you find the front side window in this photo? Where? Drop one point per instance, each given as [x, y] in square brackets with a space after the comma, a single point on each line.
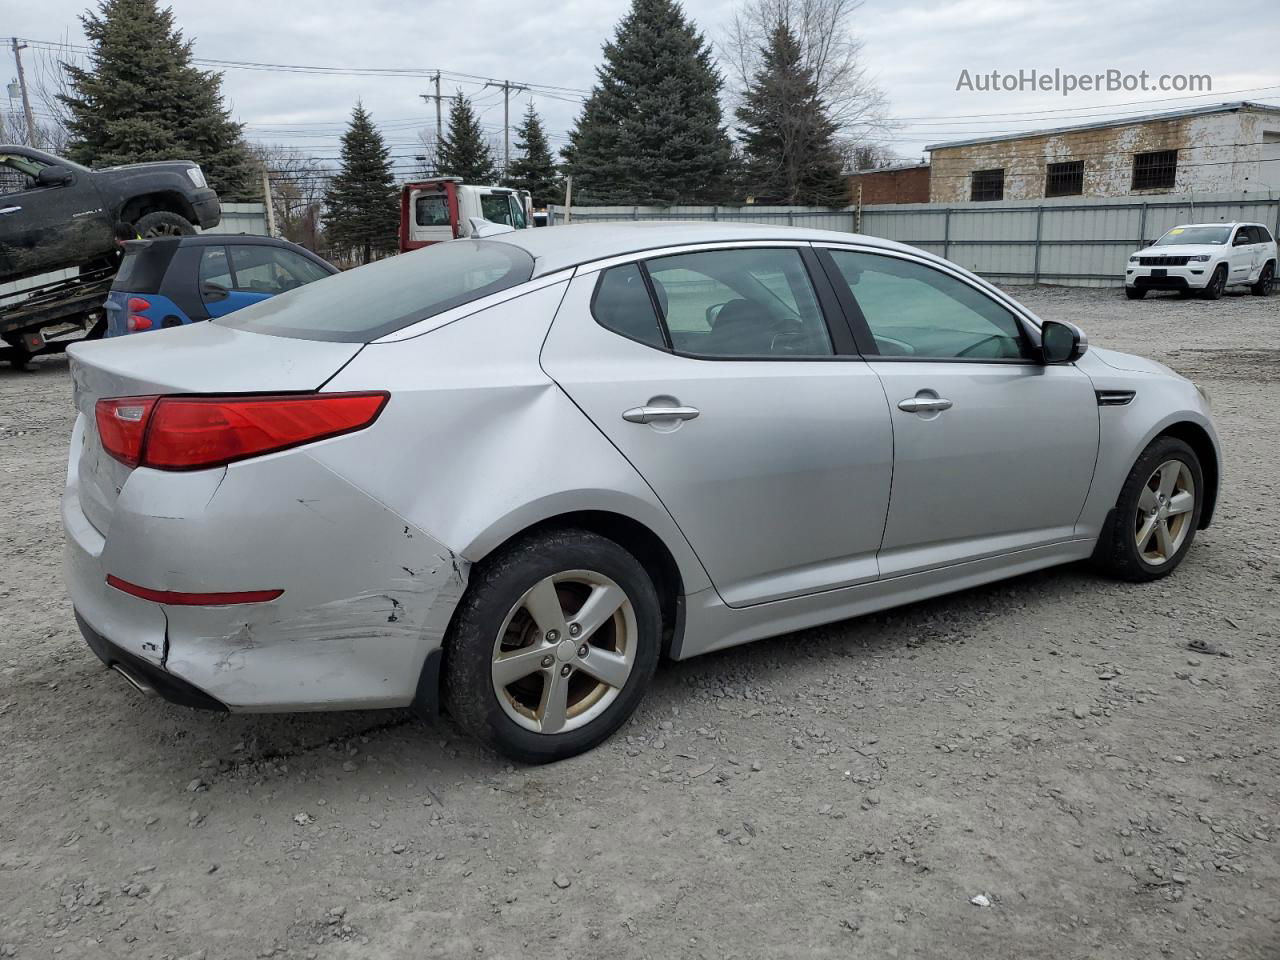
[740, 303]
[1156, 170]
[495, 208]
[919, 312]
[17, 173]
[986, 185]
[517, 212]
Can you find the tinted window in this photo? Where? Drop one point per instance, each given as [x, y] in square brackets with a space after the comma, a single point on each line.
[740, 303]
[622, 304]
[917, 311]
[1264, 235]
[267, 269]
[431, 211]
[215, 267]
[517, 212]
[1213, 235]
[371, 301]
[142, 270]
[495, 207]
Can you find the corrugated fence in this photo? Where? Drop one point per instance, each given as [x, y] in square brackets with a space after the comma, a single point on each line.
[1069, 241]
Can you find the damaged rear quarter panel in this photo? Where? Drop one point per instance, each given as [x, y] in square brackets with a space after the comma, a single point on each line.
[366, 594]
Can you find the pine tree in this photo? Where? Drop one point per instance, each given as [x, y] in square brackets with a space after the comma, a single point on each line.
[788, 138]
[142, 99]
[361, 208]
[534, 169]
[464, 151]
[652, 130]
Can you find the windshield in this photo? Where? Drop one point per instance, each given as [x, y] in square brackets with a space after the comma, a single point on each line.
[1180, 235]
[374, 300]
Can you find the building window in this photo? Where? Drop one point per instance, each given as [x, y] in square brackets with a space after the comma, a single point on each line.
[1156, 170]
[987, 185]
[1064, 179]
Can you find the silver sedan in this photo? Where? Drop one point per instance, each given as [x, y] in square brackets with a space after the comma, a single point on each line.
[507, 476]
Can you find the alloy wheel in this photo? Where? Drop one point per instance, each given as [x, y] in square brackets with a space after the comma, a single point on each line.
[163, 230]
[564, 652]
[1165, 508]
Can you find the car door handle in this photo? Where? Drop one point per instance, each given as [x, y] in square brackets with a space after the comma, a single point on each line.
[4, 210]
[924, 404]
[650, 414]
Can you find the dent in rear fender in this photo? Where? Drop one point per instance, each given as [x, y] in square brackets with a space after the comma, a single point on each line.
[478, 443]
[367, 594]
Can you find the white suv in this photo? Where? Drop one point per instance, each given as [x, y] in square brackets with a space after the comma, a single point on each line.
[1204, 258]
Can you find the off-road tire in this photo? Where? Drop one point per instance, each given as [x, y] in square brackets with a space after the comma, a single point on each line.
[498, 583]
[163, 223]
[1116, 554]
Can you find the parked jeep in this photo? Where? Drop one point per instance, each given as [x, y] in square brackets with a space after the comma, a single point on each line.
[56, 214]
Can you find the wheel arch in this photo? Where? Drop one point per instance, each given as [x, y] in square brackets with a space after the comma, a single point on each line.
[1198, 439]
[650, 549]
[170, 201]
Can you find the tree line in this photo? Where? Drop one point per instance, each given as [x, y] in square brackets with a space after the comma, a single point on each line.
[652, 130]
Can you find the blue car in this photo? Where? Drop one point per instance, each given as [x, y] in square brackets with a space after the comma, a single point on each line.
[171, 281]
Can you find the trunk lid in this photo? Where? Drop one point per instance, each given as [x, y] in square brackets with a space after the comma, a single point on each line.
[200, 358]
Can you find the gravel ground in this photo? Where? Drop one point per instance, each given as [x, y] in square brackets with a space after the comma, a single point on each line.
[1039, 768]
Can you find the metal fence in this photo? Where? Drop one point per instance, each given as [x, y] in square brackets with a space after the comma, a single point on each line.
[1068, 242]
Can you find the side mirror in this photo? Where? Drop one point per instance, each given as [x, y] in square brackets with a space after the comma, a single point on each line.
[213, 291]
[53, 176]
[1061, 342]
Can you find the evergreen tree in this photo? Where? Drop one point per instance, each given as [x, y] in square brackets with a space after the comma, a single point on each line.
[142, 99]
[534, 169]
[788, 139]
[362, 209]
[464, 151]
[652, 130]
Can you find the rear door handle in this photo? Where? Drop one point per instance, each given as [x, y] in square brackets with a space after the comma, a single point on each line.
[924, 404]
[650, 414]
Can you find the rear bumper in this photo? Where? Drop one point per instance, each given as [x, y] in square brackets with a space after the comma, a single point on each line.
[367, 597]
[140, 672]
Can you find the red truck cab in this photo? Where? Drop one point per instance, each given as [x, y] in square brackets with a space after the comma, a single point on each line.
[442, 208]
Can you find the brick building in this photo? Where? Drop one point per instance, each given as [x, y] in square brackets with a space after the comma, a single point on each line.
[1223, 148]
[901, 183]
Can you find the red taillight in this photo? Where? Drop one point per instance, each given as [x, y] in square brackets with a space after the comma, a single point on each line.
[122, 423]
[194, 433]
[138, 304]
[136, 323]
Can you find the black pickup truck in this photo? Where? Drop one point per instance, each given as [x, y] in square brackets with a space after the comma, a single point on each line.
[56, 214]
[57, 217]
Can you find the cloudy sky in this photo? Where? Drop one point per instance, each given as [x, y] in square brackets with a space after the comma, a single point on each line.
[915, 49]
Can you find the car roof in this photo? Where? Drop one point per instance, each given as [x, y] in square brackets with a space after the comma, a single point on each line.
[1219, 223]
[213, 239]
[558, 248]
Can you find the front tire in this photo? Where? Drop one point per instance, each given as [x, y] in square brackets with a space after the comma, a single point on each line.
[1217, 283]
[163, 223]
[1135, 293]
[1266, 281]
[1155, 519]
[553, 646]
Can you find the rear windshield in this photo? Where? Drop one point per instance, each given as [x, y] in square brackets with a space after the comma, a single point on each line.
[142, 270]
[374, 300]
[1180, 235]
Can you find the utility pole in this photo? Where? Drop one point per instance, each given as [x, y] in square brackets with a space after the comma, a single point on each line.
[26, 99]
[439, 118]
[271, 207]
[507, 89]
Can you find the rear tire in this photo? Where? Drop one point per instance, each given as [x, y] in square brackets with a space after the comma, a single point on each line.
[503, 668]
[1131, 546]
[163, 223]
[1266, 281]
[1135, 293]
[1217, 283]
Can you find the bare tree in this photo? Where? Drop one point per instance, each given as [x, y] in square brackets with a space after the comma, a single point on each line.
[298, 184]
[831, 52]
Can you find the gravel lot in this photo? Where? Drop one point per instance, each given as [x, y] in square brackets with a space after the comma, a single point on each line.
[1047, 747]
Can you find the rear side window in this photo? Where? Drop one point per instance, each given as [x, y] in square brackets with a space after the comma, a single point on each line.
[431, 210]
[215, 267]
[622, 304]
[142, 270]
[374, 300]
[1263, 235]
[262, 268]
